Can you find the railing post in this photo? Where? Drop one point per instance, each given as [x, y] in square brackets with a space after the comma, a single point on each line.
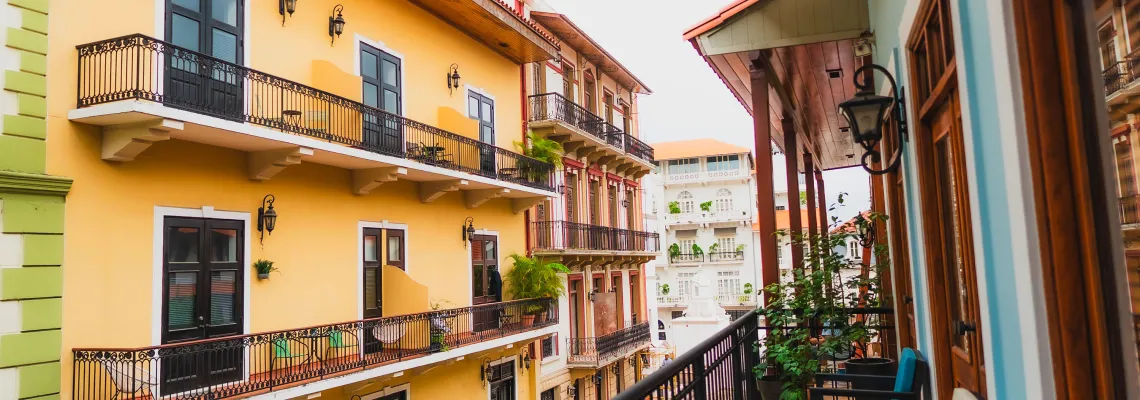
[699, 380]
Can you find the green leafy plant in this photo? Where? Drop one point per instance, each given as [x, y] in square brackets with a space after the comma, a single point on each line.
[674, 207]
[706, 206]
[674, 251]
[697, 252]
[264, 267]
[713, 247]
[531, 278]
[542, 149]
[747, 288]
[665, 289]
[740, 247]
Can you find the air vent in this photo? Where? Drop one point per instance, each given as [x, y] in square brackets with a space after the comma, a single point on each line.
[845, 129]
[834, 73]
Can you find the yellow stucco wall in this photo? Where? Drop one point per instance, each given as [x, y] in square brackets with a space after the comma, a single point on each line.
[110, 212]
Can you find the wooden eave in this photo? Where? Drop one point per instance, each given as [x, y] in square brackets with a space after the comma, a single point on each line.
[497, 26]
[574, 36]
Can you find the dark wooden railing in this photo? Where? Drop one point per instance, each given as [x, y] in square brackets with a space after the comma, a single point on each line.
[1130, 209]
[139, 67]
[562, 235]
[721, 367]
[238, 365]
[555, 107]
[602, 350]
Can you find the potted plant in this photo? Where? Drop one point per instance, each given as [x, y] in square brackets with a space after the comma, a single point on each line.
[665, 289]
[697, 252]
[541, 149]
[706, 206]
[263, 268]
[674, 207]
[531, 278]
[747, 293]
[439, 328]
[674, 251]
[713, 247]
[740, 248]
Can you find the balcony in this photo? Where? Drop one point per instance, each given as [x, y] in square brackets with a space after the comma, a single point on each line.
[726, 256]
[1130, 209]
[703, 177]
[143, 90]
[600, 351]
[686, 259]
[724, 300]
[584, 133]
[1120, 80]
[572, 238]
[240, 366]
[719, 218]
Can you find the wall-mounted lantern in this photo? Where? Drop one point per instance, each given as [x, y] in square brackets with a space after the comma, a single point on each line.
[485, 372]
[266, 216]
[336, 25]
[468, 230]
[525, 359]
[572, 390]
[453, 78]
[865, 228]
[868, 113]
[286, 6]
[625, 203]
[598, 378]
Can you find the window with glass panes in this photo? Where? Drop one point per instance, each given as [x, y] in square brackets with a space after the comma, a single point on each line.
[723, 200]
[728, 282]
[726, 244]
[685, 201]
[676, 314]
[685, 283]
[686, 247]
[723, 163]
[684, 166]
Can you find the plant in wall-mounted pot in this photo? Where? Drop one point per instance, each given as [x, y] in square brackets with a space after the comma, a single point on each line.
[264, 267]
[674, 207]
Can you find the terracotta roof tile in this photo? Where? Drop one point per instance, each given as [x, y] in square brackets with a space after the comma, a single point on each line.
[695, 148]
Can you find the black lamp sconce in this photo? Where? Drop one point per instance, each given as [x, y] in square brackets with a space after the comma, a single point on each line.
[468, 230]
[625, 203]
[336, 25]
[266, 216]
[868, 113]
[632, 361]
[593, 294]
[453, 78]
[286, 6]
[572, 390]
[485, 372]
[598, 378]
[866, 231]
[525, 359]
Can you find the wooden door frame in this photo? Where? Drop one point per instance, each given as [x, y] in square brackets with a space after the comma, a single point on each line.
[1081, 247]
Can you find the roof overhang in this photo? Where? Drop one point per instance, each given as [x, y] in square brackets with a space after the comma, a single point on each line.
[497, 26]
[808, 48]
[569, 33]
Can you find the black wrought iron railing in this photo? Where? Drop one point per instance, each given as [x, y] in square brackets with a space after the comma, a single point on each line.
[721, 366]
[562, 235]
[1120, 74]
[1130, 209]
[726, 256]
[602, 350]
[238, 365]
[554, 106]
[143, 68]
[686, 258]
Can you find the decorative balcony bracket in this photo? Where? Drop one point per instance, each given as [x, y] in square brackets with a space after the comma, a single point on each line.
[520, 205]
[476, 198]
[365, 180]
[430, 191]
[125, 142]
[263, 165]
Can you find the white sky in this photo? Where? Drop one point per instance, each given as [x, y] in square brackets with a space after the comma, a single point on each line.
[688, 99]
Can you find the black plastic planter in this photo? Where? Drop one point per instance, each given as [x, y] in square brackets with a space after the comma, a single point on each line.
[872, 366]
[770, 387]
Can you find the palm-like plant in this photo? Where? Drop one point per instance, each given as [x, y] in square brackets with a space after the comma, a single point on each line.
[531, 279]
[542, 149]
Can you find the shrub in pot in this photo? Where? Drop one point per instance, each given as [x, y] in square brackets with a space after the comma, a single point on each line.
[263, 268]
[531, 278]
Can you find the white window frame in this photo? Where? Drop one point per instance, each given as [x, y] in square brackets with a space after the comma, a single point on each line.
[390, 390]
[360, 226]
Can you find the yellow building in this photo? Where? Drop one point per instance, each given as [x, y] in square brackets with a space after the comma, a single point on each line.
[586, 100]
[203, 136]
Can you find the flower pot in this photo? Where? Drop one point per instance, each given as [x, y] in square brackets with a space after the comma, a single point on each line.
[262, 276]
[770, 387]
[528, 320]
[872, 366]
[540, 318]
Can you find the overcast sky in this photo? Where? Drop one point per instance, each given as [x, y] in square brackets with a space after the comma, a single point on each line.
[688, 99]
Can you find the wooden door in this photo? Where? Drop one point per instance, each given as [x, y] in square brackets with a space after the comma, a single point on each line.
[202, 298]
[484, 263]
[208, 78]
[945, 205]
[395, 251]
[373, 273]
[619, 289]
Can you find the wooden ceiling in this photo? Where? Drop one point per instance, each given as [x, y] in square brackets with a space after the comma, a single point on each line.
[808, 81]
[570, 34]
[497, 26]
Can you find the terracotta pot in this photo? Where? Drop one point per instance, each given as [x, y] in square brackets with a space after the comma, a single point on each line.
[541, 318]
[528, 320]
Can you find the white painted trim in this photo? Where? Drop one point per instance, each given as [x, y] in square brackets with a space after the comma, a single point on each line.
[160, 27]
[408, 365]
[471, 261]
[360, 226]
[516, 377]
[160, 213]
[390, 390]
[358, 39]
[161, 111]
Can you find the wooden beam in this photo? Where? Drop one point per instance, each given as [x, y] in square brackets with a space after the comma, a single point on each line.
[125, 142]
[765, 184]
[791, 167]
[809, 182]
[430, 191]
[476, 198]
[365, 180]
[823, 222]
[264, 165]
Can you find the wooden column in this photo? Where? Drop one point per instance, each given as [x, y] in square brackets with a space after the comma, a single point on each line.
[792, 169]
[813, 218]
[823, 222]
[765, 183]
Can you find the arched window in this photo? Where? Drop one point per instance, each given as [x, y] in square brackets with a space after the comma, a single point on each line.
[685, 201]
[723, 201]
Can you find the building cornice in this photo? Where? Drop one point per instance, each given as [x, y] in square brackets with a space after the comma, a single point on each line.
[19, 182]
